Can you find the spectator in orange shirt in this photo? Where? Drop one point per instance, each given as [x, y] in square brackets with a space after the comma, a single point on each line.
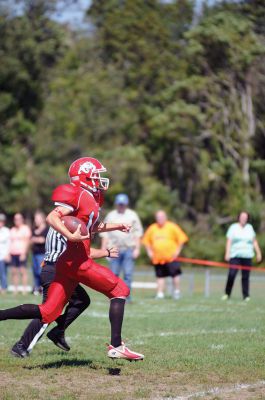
[164, 241]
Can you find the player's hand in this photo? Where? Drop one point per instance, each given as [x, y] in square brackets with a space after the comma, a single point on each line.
[113, 252]
[76, 236]
[259, 258]
[125, 228]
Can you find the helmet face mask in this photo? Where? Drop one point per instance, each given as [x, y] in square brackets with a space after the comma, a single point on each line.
[86, 172]
[99, 181]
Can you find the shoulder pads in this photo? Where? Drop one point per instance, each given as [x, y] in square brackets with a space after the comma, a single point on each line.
[67, 194]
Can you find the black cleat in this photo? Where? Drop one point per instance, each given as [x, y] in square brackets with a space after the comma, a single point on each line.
[19, 350]
[57, 337]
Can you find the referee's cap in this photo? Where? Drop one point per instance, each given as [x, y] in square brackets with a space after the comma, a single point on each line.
[122, 199]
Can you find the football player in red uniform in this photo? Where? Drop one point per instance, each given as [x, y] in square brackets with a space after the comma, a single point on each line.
[75, 264]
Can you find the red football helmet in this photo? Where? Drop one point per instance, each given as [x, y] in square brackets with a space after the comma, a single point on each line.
[86, 172]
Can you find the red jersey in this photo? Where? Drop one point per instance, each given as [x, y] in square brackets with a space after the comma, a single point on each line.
[82, 205]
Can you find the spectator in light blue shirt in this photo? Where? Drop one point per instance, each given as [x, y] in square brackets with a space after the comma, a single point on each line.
[241, 246]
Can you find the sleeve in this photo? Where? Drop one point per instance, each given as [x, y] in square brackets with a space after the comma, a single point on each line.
[66, 196]
[230, 232]
[180, 235]
[137, 226]
[253, 232]
[147, 238]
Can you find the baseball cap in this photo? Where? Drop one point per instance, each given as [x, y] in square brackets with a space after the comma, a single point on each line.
[122, 199]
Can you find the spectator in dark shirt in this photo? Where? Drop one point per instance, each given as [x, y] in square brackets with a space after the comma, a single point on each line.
[39, 234]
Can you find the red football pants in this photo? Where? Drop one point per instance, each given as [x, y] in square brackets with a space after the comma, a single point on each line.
[70, 272]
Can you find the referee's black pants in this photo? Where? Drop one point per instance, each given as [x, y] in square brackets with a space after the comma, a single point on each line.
[244, 275]
[79, 301]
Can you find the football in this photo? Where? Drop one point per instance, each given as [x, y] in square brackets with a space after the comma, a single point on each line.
[72, 223]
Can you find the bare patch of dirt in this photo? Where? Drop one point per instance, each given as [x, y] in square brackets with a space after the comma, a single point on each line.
[110, 383]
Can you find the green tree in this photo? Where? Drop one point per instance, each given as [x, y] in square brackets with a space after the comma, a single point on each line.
[30, 46]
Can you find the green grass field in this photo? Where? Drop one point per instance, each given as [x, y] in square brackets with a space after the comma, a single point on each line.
[195, 348]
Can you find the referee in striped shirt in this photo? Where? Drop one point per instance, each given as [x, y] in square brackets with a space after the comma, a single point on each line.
[54, 246]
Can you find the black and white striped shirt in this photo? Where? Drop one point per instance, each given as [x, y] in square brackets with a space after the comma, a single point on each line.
[55, 244]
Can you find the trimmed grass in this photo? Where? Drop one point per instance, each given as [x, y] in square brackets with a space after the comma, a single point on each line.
[191, 346]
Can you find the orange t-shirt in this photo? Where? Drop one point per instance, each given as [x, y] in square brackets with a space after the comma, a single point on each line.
[164, 241]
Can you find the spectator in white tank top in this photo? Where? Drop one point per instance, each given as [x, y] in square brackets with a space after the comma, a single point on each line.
[20, 235]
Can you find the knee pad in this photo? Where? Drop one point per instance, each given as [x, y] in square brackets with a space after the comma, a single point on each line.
[120, 290]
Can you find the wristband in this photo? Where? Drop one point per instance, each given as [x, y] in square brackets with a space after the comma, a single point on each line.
[108, 250]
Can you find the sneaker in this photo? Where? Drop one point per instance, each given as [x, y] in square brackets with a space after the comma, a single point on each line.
[176, 295]
[57, 337]
[19, 350]
[225, 297]
[123, 352]
[37, 290]
[160, 295]
[246, 299]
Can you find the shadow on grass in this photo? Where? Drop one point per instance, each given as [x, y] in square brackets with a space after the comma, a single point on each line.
[73, 363]
[114, 371]
[64, 363]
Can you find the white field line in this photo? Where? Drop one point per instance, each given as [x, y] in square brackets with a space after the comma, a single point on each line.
[166, 334]
[96, 314]
[229, 331]
[216, 346]
[218, 390]
[135, 285]
[155, 310]
[141, 337]
[144, 285]
[20, 288]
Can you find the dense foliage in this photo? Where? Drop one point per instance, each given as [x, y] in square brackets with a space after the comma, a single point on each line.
[172, 104]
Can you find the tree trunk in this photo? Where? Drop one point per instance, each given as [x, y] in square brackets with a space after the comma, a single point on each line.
[249, 128]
